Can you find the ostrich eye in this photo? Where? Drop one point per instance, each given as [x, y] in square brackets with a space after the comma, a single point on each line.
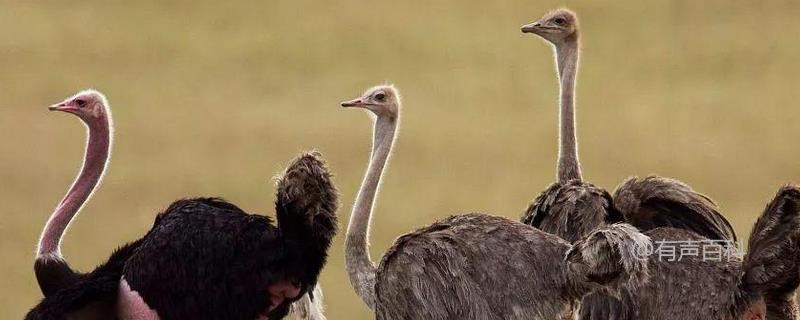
[560, 21]
[81, 103]
[380, 96]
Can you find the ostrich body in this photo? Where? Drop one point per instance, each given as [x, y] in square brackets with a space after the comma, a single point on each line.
[204, 258]
[475, 266]
[760, 286]
[570, 207]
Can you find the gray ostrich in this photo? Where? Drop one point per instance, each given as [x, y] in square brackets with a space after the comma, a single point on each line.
[476, 266]
[760, 286]
[571, 207]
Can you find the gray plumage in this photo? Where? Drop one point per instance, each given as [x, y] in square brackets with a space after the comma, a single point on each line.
[653, 202]
[482, 267]
[571, 210]
[571, 207]
[761, 286]
[476, 266]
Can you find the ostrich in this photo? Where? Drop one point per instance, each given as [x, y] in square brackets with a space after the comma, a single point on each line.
[648, 203]
[760, 286]
[571, 207]
[204, 258]
[476, 266]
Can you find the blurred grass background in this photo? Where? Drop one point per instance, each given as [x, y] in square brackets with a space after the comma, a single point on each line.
[213, 99]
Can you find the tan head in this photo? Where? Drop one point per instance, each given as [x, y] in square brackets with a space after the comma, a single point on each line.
[556, 27]
[89, 105]
[383, 101]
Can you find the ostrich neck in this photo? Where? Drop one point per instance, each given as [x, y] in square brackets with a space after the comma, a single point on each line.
[567, 61]
[94, 164]
[359, 264]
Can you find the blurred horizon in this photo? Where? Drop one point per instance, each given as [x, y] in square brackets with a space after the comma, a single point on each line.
[212, 99]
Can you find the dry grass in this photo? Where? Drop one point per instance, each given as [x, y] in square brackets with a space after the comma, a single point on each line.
[213, 99]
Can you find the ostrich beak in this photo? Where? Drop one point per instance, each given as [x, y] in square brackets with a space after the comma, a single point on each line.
[63, 106]
[353, 103]
[531, 27]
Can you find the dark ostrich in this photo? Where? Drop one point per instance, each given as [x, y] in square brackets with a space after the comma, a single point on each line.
[204, 258]
[476, 266]
[571, 207]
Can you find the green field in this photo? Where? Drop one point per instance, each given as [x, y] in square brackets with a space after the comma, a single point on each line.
[213, 99]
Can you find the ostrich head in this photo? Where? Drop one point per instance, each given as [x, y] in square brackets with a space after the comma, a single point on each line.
[383, 101]
[89, 105]
[556, 27]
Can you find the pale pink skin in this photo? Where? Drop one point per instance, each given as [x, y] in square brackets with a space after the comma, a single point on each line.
[90, 106]
[131, 306]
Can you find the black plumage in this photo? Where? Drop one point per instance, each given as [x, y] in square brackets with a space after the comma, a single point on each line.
[91, 295]
[205, 258]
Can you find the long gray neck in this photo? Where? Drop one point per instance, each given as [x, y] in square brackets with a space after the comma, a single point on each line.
[567, 62]
[94, 164]
[358, 262]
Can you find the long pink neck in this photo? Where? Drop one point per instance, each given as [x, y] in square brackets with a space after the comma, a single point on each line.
[94, 164]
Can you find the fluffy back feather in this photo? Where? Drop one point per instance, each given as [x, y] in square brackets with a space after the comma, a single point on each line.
[654, 202]
[614, 256]
[306, 204]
